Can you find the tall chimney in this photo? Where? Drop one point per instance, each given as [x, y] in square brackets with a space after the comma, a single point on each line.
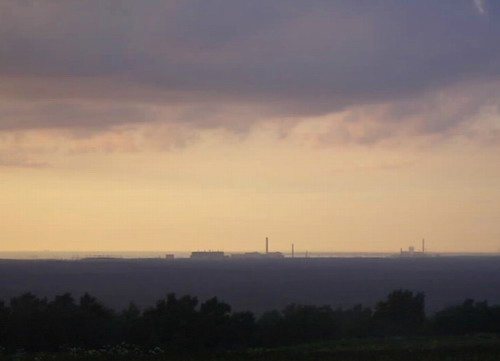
[423, 245]
[267, 245]
[293, 250]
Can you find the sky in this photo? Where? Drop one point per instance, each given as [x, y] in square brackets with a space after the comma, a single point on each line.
[174, 125]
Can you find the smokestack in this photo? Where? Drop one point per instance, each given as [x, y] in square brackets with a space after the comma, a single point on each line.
[423, 245]
[293, 250]
[267, 245]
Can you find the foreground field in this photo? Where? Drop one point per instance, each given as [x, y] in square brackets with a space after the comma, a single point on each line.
[470, 348]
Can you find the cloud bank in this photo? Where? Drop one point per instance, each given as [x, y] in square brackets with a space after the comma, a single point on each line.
[421, 67]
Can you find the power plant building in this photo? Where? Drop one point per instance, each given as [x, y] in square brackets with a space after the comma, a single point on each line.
[412, 252]
[208, 255]
[219, 255]
[258, 255]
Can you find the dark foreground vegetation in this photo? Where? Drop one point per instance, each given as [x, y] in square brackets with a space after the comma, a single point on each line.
[456, 348]
[184, 326]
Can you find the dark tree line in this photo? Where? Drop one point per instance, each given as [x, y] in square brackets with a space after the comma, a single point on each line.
[184, 324]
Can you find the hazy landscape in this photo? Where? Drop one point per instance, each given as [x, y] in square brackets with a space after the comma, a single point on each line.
[249, 180]
[262, 284]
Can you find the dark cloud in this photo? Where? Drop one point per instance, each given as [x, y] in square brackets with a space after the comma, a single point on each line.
[289, 57]
[70, 114]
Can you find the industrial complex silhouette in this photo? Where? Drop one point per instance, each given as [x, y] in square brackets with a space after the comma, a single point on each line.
[216, 255]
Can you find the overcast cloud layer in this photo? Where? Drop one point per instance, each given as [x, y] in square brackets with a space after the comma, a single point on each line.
[428, 66]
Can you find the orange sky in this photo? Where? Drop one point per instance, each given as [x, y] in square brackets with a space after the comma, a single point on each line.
[226, 192]
[174, 126]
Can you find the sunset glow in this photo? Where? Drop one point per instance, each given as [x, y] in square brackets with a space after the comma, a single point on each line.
[179, 125]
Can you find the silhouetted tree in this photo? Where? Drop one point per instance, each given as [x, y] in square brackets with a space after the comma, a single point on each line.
[242, 330]
[132, 328]
[4, 317]
[307, 323]
[182, 324]
[213, 326]
[403, 312]
[61, 316]
[469, 317]
[95, 323]
[354, 322]
[296, 323]
[172, 321]
[26, 326]
[270, 328]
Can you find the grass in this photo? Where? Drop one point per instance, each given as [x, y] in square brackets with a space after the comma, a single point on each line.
[468, 348]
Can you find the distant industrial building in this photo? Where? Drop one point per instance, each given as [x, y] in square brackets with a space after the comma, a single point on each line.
[208, 255]
[219, 255]
[169, 256]
[412, 252]
[258, 255]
